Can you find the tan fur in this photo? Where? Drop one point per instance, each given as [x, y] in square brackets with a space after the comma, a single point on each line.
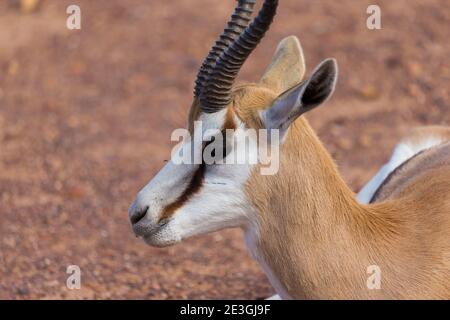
[249, 100]
[319, 241]
[435, 157]
[399, 180]
[287, 67]
[314, 235]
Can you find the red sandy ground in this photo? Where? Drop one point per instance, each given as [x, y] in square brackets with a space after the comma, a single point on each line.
[85, 118]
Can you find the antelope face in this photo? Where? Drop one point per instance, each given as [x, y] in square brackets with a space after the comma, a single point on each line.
[187, 199]
[184, 200]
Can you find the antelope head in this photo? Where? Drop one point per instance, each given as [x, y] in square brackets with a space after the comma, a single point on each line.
[185, 200]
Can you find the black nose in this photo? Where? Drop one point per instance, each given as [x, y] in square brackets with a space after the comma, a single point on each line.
[138, 215]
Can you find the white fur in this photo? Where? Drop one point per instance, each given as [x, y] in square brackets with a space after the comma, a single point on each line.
[251, 241]
[212, 120]
[220, 203]
[165, 188]
[403, 151]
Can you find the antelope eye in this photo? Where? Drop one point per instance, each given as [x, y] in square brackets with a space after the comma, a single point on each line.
[225, 145]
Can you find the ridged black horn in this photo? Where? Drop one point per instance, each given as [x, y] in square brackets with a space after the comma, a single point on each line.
[216, 94]
[240, 19]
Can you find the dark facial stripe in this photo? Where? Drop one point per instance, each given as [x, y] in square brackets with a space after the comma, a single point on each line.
[197, 180]
[193, 187]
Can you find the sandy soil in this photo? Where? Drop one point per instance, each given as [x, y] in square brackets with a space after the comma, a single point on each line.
[85, 118]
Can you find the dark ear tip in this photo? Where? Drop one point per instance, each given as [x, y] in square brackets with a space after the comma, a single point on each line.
[330, 65]
[322, 83]
[327, 69]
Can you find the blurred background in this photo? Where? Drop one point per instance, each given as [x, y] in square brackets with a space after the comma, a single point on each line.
[86, 117]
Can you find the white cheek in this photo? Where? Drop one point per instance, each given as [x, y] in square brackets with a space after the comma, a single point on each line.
[221, 203]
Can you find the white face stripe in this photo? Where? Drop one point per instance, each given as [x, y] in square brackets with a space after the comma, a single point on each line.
[166, 188]
[213, 120]
[219, 203]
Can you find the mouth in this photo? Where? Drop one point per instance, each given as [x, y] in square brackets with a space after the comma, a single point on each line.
[155, 240]
[159, 235]
[145, 229]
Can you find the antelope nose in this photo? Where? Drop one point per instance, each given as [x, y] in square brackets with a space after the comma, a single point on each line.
[136, 214]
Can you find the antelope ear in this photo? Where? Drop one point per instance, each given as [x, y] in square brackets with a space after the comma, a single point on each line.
[287, 67]
[303, 97]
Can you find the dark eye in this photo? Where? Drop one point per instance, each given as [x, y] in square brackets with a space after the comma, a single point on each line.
[226, 146]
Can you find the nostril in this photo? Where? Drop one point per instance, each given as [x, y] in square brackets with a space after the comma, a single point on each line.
[138, 215]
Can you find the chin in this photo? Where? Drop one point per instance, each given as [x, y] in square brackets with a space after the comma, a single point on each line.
[163, 237]
[160, 243]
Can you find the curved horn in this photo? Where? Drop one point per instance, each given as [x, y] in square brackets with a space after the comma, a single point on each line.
[240, 19]
[217, 93]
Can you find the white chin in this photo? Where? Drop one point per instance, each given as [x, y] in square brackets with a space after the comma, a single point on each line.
[158, 242]
[164, 237]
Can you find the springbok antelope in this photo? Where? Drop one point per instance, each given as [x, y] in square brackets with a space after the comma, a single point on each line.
[311, 235]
